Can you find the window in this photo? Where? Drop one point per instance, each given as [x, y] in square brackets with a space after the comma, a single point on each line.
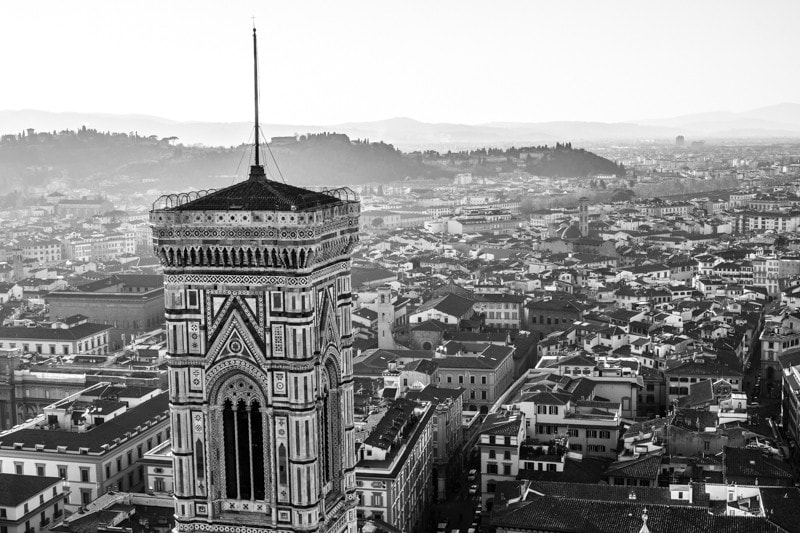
[492, 454]
[591, 433]
[460, 379]
[506, 456]
[553, 409]
[449, 379]
[108, 470]
[472, 379]
[506, 470]
[62, 471]
[572, 432]
[40, 470]
[130, 457]
[483, 380]
[377, 499]
[18, 468]
[119, 464]
[84, 475]
[483, 395]
[541, 409]
[706, 445]
[86, 496]
[491, 468]
[605, 434]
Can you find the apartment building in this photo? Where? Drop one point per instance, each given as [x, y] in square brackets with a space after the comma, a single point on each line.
[30, 504]
[592, 427]
[93, 439]
[395, 463]
[499, 445]
[75, 335]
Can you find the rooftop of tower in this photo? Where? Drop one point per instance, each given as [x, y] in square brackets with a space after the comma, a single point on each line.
[258, 193]
[261, 194]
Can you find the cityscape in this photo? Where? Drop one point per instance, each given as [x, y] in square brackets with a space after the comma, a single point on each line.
[399, 326]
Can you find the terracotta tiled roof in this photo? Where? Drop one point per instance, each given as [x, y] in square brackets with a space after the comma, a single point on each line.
[643, 468]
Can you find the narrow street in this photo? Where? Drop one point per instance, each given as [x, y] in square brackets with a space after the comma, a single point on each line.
[459, 510]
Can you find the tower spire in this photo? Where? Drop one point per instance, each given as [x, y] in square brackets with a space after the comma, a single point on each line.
[256, 170]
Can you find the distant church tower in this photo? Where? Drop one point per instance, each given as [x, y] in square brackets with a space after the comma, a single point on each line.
[583, 214]
[258, 301]
[385, 309]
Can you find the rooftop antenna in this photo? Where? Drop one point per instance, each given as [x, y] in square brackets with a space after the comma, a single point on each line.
[256, 170]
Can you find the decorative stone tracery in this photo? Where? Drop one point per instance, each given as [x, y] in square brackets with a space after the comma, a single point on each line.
[256, 362]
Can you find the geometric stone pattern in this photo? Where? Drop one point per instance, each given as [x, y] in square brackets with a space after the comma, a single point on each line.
[244, 325]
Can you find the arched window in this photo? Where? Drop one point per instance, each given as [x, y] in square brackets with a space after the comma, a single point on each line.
[330, 430]
[242, 442]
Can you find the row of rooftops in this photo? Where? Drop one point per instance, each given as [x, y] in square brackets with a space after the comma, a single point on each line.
[79, 424]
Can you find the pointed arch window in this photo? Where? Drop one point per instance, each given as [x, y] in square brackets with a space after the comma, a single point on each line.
[243, 453]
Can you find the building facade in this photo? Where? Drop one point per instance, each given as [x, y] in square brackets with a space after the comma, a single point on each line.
[30, 504]
[393, 474]
[258, 301]
[75, 440]
[130, 309]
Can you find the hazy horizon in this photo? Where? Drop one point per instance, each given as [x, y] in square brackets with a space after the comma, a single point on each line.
[447, 62]
[383, 119]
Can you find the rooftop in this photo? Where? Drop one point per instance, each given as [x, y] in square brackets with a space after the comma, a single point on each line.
[259, 194]
[17, 488]
[94, 439]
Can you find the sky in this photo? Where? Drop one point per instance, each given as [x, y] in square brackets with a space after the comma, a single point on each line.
[464, 61]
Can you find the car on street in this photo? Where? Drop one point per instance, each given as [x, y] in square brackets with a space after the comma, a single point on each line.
[473, 490]
[473, 474]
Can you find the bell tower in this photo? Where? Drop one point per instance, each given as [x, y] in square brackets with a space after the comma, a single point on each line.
[258, 301]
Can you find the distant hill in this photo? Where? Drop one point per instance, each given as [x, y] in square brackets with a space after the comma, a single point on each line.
[124, 162]
[91, 158]
[563, 161]
[781, 120]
